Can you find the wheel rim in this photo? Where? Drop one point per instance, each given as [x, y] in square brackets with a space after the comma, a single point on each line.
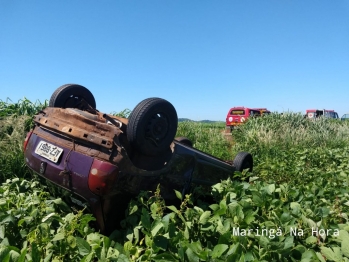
[73, 101]
[157, 127]
[246, 165]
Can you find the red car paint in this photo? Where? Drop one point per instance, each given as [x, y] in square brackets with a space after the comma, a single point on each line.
[238, 115]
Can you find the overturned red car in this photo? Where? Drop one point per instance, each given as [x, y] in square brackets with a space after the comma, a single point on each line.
[99, 161]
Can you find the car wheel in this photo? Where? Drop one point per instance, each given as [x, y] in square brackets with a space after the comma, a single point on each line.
[184, 140]
[242, 161]
[72, 96]
[152, 126]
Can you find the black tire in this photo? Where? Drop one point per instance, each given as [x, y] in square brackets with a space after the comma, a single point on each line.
[72, 96]
[242, 161]
[152, 126]
[184, 140]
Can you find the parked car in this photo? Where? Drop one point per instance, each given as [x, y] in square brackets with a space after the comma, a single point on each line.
[238, 115]
[315, 113]
[99, 161]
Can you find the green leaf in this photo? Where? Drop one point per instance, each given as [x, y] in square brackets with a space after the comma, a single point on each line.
[289, 242]
[145, 219]
[88, 257]
[300, 248]
[214, 207]
[320, 257]
[192, 256]
[296, 207]
[308, 256]
[178, 194]
[133, 209]
[331, 254]
[309, 222]
[186, 233]
[7, 219]
[204, 217]
[236, 210]
[253, 178]
[62, 205]
[234, 249]
[112, 253]
[94, 240]
[154, 208]
[14, 256]
[263, 241]
[249, 217]
[23, 254]
[249, 256]
[173, 208]
[48, 256]
[343, 235]
[4, 251]
[160, 242]
[123, 258]
[311, 240]
[195, 246]
[345, 247]
[35, 253]
[71, 241]
[257, 199]
[47, 217]
[58, 237]
[164, 257]
[156, 228]
[285, 217]
[2, 231]
[218, 250]
[270, 189]
[83, 246]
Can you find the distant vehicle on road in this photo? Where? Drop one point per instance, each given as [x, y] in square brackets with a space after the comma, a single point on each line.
[238, 115]
[263, 111]
[315, 113]
[345, 117]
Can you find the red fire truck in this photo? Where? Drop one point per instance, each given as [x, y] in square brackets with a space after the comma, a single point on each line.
[238, 115]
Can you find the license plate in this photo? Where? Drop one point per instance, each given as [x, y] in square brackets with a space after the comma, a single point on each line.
[49, 151]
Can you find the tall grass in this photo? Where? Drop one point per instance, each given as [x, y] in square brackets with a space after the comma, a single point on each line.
[206, 137]
[292, 145]
[15, 122]
[22, 107]
[12, 134]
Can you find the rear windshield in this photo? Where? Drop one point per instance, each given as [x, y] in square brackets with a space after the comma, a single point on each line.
[255, 113]
[237, 112]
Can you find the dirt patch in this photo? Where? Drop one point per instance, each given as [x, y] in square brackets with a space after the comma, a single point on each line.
[227, 135]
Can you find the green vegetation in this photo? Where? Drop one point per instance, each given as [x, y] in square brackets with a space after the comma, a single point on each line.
[15, 121]
[22, 107]
[293, 207]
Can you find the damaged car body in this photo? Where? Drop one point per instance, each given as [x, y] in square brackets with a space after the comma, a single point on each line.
[99, 161]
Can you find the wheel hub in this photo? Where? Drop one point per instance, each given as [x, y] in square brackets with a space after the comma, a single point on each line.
[75, 102]
[158, 127]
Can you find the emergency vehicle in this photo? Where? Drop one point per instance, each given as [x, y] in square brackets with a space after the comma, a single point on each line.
[238, 115]
[315, 113]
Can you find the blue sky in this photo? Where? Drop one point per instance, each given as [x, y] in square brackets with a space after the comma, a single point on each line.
[203, 56]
